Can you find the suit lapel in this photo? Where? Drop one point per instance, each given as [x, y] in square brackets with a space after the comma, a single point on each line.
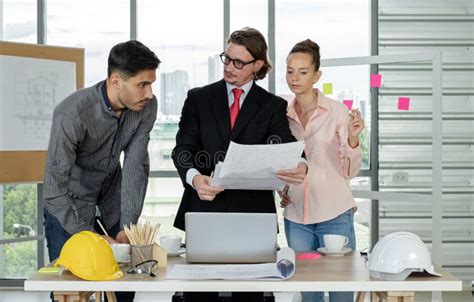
[220, 106]
[249, 109]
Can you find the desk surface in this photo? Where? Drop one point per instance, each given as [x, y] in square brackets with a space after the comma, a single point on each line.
[347, 273]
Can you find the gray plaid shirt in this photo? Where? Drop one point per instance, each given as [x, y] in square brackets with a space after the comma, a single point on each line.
[83, 168]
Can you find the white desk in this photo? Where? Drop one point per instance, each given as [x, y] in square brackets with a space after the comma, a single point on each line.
[346, 273]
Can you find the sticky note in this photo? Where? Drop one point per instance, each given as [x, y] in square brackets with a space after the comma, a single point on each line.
[327, 88]
[375, 80]
[308, 256]
[348, 103]
[49, 269]
[403, 103]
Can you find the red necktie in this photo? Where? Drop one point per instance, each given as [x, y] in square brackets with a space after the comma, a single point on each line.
[235, 107]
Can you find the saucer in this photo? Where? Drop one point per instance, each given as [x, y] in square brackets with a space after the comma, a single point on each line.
[126, 262]
[177, 253]
[342, 252]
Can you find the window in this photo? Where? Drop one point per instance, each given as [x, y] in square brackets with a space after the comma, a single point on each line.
[254, 14]
[162, 142]
[188, 52]
[363, 213]
[93, 25]
[19, 21]
[190, 58]
[18, 202]
[351, 83]
[341, 28]
[248, 13]
[18, 209]
[162, 201]
[339, 33]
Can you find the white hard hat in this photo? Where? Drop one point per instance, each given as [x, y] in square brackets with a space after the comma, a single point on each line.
[397, 255]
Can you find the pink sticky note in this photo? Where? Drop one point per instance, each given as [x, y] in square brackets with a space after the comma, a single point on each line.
[375, 80]
[348, 103]
[403, 103]
[308, 256]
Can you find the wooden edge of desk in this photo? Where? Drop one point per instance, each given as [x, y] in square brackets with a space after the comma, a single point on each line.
[299, 282]
[248, 285]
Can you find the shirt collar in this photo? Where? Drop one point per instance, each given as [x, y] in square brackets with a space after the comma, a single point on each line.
[246, 88]
[323, 103]
[107, 103]
[103, 91]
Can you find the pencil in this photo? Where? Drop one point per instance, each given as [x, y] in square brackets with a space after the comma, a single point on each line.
[102, 227]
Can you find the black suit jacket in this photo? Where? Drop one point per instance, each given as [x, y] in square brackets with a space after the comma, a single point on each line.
[204, 135]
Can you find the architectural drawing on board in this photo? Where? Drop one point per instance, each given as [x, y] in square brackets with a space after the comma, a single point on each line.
[30, 90]
[35, 99]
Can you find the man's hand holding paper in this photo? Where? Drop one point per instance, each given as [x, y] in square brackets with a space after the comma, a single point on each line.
[205, 191]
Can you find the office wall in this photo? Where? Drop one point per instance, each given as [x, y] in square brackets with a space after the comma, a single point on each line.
[1, 19]
[407, 26]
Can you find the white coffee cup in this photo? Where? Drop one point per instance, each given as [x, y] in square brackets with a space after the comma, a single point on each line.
[121, 252]
[335, 243]
[170, 243]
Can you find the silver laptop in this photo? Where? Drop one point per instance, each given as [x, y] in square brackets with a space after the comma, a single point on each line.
[231, 237]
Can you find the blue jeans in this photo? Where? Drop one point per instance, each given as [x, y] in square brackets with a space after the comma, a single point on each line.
[56, 236]
[309, 237]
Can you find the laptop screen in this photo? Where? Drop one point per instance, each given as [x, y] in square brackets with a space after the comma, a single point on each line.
[231, 237]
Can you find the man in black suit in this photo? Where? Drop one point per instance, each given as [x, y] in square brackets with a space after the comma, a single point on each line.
[233, 109]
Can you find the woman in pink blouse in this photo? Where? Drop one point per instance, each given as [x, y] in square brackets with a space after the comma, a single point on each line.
[323, 203]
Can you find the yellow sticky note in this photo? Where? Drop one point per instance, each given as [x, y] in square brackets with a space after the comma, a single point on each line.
[327, 88]
[49, 269]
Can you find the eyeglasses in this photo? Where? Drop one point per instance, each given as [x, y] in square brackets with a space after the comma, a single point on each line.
[149, 267]
[237, 63]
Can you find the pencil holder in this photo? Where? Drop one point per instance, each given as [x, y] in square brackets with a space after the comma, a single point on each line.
[140, 253]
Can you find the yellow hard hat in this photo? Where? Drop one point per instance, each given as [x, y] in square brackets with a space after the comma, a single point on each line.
[90, 257]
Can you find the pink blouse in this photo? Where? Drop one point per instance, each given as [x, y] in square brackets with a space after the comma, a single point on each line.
[325, 192]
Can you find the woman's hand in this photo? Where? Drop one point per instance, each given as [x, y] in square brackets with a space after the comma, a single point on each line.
[285, 198]
[356, 125]
[294, 176]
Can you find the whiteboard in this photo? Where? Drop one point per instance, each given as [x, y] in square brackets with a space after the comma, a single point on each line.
[30, 88]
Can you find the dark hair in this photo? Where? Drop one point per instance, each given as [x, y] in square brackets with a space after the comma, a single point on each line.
[131, 57]
[255, 43]
[311, 48]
